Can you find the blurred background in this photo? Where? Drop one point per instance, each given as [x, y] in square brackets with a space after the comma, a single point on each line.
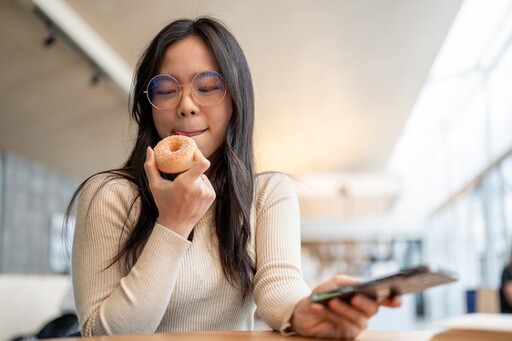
[393, 117]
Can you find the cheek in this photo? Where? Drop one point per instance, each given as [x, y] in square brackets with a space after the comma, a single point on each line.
[161, 124]
[223, 122]
[218, 122]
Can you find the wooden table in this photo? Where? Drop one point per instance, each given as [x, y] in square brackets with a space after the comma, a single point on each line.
[257, 336]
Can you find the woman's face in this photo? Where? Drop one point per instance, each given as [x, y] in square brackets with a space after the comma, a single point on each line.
[205, 124]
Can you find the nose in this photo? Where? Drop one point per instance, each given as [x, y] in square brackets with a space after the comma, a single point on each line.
[187, 105]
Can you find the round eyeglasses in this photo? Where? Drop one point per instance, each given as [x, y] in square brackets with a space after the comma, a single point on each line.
[207, 88]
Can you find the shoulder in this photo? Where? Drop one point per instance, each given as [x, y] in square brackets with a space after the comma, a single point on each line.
[269, 181]
[272, 186]
[109, 185]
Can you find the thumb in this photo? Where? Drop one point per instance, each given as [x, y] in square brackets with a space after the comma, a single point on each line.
[336, 282]
[150, 166]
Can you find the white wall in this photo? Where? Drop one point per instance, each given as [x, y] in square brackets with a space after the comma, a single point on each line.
[28, 302]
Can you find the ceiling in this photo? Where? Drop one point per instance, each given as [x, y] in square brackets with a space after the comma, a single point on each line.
[334, 80]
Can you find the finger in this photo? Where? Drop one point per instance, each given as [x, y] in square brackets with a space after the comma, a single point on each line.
[366, 305]
[336, 282]
[339, 320]
[200, 165]
[345, 280]
[211, 190]
[392, 302]
[346, 311]
[150, 166]
[206, 181]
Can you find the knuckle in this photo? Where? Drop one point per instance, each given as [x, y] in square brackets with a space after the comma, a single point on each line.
[362, 322]
[337, 305]
[354, 331]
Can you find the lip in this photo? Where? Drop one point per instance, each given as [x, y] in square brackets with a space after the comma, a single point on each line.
[189, 133]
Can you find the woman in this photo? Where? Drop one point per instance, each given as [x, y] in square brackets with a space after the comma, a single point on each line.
[201, 250]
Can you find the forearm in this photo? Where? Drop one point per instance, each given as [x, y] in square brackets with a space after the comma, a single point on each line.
[111, 304]
[278, 282]
[279, 288]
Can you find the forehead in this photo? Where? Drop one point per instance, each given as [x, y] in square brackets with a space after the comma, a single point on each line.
[186, 57]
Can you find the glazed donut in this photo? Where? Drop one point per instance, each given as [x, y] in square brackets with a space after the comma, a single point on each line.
[175, 154]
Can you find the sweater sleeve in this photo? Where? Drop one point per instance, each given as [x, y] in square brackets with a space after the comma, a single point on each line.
[110, 300]
[278, 282]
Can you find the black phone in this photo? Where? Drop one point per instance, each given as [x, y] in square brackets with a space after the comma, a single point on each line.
[407, 280]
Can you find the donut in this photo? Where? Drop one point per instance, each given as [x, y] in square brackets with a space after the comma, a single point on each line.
[175, 154]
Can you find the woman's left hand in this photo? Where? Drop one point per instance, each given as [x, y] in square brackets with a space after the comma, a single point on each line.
[337, 319]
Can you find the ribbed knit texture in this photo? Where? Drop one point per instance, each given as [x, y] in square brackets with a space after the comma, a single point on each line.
[177, 285]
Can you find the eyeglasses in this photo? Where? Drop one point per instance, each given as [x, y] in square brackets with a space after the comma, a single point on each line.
[207, 88]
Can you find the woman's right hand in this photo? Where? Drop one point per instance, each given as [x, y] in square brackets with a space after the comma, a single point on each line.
[182, 202]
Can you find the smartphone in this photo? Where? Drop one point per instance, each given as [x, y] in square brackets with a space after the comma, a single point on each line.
[407, 280]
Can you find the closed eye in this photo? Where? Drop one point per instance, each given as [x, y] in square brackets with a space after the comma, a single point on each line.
[165, 92]
[206, 90]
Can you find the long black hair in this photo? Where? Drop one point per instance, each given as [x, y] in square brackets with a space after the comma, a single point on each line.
[510, 261]
[232, 169]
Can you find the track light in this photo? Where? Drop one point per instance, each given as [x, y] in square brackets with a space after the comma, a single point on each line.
[96, 76]
[48, 42]
[52, 35]
[65, 24]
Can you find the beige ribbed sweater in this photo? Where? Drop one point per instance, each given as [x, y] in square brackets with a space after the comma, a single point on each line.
[177, 285]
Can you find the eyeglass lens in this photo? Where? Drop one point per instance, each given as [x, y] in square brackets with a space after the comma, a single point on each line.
[207, 88]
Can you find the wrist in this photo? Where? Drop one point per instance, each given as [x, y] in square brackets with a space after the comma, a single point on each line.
[293, 326]
[183, 231]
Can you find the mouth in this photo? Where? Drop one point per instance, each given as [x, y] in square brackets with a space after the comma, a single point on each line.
[189, 133]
